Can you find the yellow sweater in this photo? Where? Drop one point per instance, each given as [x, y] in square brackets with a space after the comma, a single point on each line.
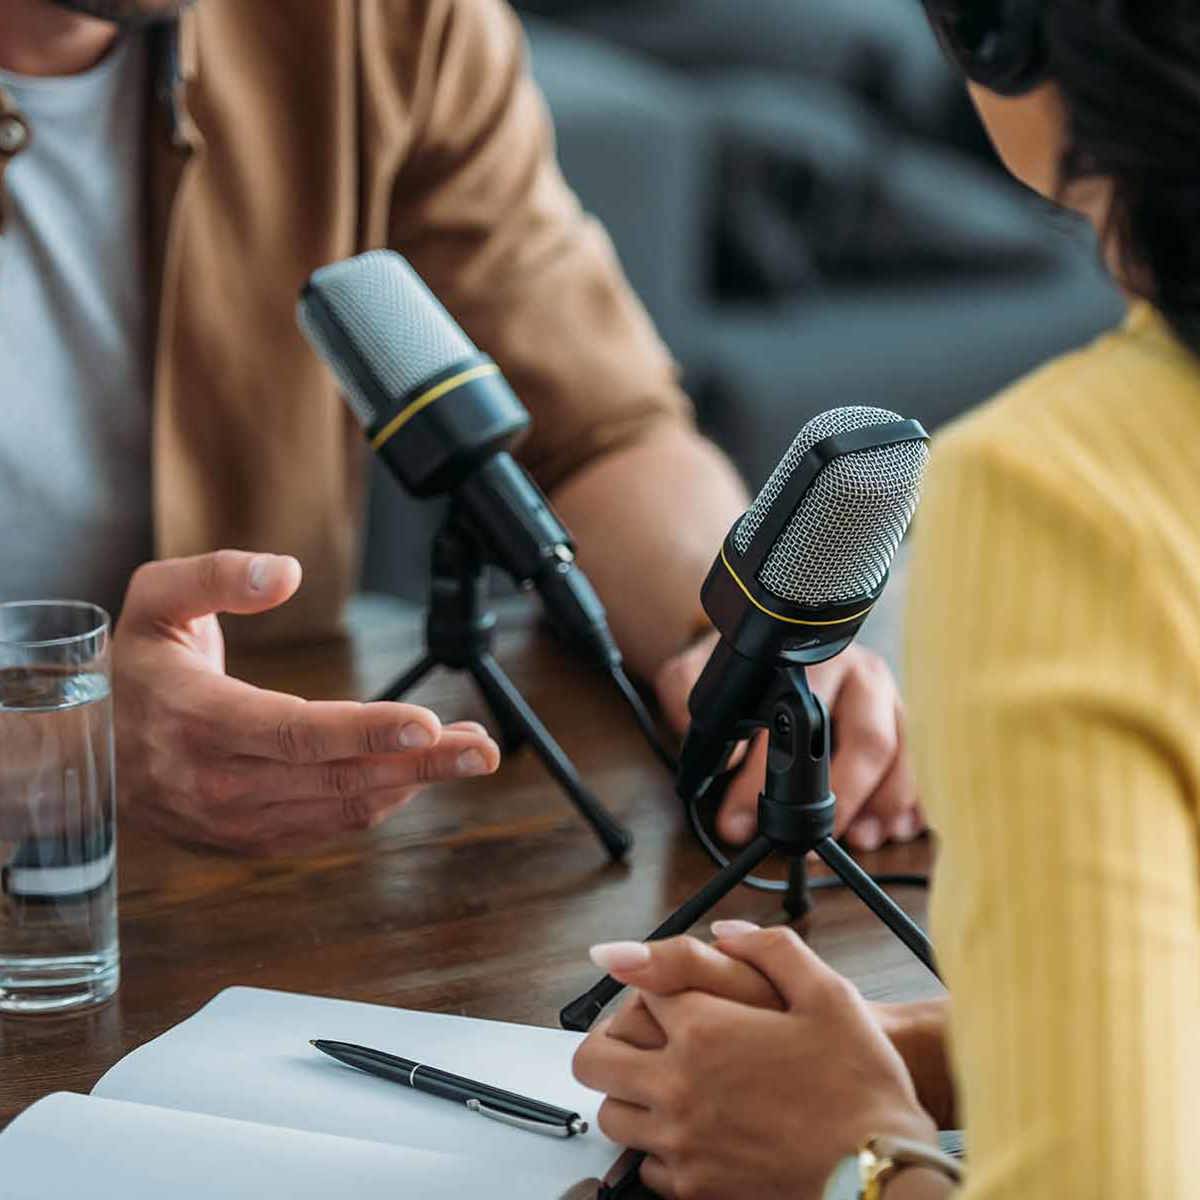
[1054, 662]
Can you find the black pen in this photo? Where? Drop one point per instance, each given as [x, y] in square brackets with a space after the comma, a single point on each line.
[481, 1098]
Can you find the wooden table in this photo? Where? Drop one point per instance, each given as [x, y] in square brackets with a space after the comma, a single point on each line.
[479, 899]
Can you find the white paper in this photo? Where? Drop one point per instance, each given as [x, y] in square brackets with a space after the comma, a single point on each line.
[68, 1145]
[245, 1055]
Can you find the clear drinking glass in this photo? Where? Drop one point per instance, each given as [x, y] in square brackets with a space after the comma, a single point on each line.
[58, 836]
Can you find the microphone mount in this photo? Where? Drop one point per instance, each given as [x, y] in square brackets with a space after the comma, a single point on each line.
[795, 816]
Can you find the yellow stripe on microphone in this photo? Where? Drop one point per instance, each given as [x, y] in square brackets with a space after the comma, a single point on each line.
[789, 620]
[424, 400]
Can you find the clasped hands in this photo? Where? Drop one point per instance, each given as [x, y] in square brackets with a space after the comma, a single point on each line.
[749, 1068]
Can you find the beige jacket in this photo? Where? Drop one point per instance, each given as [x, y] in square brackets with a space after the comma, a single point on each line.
[286, 134]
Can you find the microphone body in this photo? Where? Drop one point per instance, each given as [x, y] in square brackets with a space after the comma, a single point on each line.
[800, 572]
[442, 417]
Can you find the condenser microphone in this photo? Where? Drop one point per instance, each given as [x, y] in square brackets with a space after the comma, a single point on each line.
[442, 417]
[801, 570]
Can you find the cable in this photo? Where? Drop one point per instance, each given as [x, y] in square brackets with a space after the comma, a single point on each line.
[645, 721]
[827, 882]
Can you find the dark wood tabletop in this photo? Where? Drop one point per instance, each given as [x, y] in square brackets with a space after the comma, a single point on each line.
[479, 899]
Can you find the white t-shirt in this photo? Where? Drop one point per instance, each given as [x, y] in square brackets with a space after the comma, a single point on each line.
[75, 514]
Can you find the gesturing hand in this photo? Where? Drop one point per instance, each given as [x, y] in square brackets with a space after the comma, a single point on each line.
[207, 758]
[877, 798]
[744, 1101]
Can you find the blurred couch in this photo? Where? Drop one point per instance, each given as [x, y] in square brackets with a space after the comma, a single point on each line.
[800, 209]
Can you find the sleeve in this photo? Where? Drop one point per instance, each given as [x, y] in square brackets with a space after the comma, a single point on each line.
[484, 215]
[1054, 706]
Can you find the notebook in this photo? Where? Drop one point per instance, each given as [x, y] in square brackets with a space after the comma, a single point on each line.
[234, 1102]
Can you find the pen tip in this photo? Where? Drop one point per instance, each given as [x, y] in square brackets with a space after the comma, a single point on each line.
[313, 1042]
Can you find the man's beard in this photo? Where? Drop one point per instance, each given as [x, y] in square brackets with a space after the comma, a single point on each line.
[127, 12]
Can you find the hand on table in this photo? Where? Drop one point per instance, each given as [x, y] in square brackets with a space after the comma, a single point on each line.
[870, 774]
[207, 758]
[738, 1098]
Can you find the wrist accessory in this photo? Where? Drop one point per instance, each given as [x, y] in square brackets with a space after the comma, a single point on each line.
[865, 1174]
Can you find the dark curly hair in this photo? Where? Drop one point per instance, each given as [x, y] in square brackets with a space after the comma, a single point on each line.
[1129, 71]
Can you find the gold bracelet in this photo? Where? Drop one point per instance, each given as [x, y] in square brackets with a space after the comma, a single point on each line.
[882, 1158]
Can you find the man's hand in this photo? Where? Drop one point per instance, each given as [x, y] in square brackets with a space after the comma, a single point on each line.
[742, 1100]
[870, 774]
[206, 758]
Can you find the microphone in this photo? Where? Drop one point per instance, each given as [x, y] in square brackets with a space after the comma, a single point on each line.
[792, 585]
[801, 570]
[442, 417]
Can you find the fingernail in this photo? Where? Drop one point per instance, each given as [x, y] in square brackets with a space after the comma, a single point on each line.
[741, 826]
[726, 929]
[620, 956]
[905, 828]
[415, 737]
[867, 835]
[471, 762]
[262, 569]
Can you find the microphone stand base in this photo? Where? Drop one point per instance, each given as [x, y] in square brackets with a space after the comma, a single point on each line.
[458, 634]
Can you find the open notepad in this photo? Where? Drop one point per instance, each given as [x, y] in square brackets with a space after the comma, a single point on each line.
[235, 1103]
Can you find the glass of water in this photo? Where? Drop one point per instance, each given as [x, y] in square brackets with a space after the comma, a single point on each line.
[58, 837]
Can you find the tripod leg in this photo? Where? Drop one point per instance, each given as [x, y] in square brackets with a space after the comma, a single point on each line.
[504, 696]
[581, 1014]
[512, 732]
[797, 902]
[882, 905]
[409, 680]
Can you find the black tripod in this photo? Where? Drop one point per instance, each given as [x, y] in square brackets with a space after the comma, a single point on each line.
[795, 815]
[458, 636]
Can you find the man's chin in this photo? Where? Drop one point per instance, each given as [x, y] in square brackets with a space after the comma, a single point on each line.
[127, 12]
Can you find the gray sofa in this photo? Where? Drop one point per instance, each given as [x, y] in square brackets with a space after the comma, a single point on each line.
[907, 274]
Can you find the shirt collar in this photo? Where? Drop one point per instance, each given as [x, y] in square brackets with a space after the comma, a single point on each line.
[174, 51]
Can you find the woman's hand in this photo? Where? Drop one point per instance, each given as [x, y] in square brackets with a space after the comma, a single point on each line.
[682, 964]
[918, 1031]
[667, 968]
[742, 1100]
[920, 1034]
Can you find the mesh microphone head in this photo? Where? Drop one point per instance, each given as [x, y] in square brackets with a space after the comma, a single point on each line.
[839, 545]
[381, 329]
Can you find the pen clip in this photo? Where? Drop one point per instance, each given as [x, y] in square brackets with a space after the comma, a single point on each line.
[548, 1128]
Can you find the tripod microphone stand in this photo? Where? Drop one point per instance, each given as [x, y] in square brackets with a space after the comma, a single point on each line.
[458, 636]
[795, 816]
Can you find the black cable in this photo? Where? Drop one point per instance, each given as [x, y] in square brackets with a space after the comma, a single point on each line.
[895, 879]
[645, 721]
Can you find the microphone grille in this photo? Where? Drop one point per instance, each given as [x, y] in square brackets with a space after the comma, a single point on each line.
[397, 328]
[841, 540]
